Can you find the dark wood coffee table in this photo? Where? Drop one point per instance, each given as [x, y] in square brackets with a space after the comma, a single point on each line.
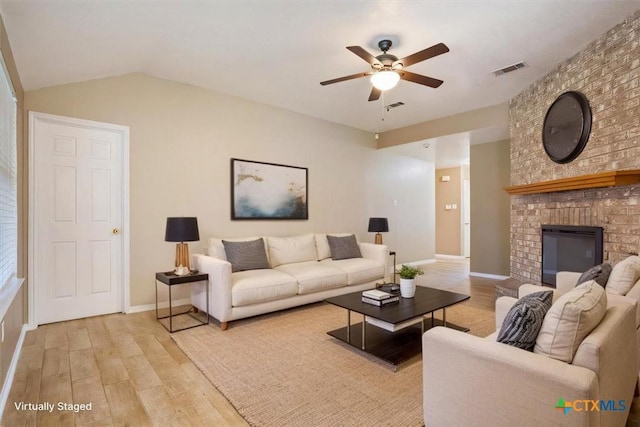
[393, 332]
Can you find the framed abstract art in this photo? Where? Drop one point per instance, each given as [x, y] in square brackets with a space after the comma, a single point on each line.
[270, 191]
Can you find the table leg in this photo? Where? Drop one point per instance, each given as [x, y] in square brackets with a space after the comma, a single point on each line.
[444, 317]
[170, 313]
[348, 326]
[207, 294]
[364, 330]
[157, 315]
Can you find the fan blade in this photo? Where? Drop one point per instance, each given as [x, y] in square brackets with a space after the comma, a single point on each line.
[375, 94]
[429, 52]
[371, 60]
[342, 79]
[420, 79]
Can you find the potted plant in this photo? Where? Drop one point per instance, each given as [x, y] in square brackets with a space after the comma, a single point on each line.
[408, 275]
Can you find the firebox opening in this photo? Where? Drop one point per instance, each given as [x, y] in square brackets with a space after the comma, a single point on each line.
[569, 248]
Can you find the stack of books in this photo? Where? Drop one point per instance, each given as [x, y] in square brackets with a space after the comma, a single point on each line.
[379, 298]
[391, 288]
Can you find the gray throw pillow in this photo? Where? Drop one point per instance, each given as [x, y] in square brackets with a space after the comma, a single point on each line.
[244, 256]
[600, 273]
[344, 247]
[522, 323]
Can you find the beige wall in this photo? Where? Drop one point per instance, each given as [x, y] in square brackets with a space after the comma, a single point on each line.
[408, 202]
[14, 318]
[182, 138]
[448, 222]
[490, 208]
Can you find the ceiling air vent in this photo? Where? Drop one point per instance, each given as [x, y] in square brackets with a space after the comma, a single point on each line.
[394, 105]
[509, 69]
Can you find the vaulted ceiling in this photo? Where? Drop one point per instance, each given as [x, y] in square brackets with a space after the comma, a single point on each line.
[277, 51]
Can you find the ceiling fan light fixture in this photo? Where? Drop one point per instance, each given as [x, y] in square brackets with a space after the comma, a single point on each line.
[385, 80]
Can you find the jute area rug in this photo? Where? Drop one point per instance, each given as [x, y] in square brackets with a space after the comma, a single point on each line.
[282, 369]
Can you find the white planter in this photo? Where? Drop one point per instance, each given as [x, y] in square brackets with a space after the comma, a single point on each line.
[407, 288]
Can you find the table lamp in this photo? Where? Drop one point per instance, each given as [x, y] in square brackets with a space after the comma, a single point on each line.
[182, 229]
[378, 225]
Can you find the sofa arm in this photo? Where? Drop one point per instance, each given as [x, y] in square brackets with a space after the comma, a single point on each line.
[377, 253]
[220, 285]
[469, 380]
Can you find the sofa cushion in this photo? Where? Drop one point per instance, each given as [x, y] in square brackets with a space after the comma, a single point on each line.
[523, 321]
[256, 286]
[600, 273]
[624, 275]
[359, 270]
[314, 276]
[246, 255]
[286, 250]
[322, 244]
[344, 247]
[216, 247]
[570, 319]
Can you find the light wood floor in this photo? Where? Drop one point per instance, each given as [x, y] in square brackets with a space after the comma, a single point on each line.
[126, 365]
[453, 275]
[134, 374]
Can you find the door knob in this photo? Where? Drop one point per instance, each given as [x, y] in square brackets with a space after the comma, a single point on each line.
[115, 231]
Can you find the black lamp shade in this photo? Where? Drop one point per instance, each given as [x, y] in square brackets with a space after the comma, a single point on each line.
[182, 229]
[378, 225]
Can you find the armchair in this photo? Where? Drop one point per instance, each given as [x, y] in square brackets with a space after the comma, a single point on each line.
[469, 380]
[625, 276]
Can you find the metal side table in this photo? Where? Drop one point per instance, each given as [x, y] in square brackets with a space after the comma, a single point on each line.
[170, 279]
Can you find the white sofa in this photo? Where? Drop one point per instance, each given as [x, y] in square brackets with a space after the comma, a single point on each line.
[301, 272]
[478, 381]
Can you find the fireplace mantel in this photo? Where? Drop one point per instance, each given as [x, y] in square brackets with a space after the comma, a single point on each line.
[595, 180]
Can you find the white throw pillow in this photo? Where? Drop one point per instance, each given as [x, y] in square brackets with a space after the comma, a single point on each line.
[286, 250]
[623, 276]
[322, 244]
[570, 319]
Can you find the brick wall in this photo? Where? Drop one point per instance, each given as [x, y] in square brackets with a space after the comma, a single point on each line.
[607, 71]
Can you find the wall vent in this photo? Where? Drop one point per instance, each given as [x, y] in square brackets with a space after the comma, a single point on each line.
[394, 105]
[509, 69]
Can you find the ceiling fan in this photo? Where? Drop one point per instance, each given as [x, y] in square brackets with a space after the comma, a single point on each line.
[387, 69]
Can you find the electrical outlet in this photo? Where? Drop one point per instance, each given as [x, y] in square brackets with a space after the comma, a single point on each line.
[454, 206]
[395, 203]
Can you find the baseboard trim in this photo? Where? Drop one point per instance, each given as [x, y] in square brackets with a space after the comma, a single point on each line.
[488, 276]
[424, 261]
[8, 381]
[163, 304]
[444, 256]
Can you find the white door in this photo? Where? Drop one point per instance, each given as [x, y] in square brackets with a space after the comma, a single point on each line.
[77, 217]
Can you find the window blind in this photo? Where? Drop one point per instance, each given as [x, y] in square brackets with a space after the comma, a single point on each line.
[8, 181]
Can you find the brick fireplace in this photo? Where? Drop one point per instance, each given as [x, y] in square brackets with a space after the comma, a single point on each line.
[607, 71]
[615, 209]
